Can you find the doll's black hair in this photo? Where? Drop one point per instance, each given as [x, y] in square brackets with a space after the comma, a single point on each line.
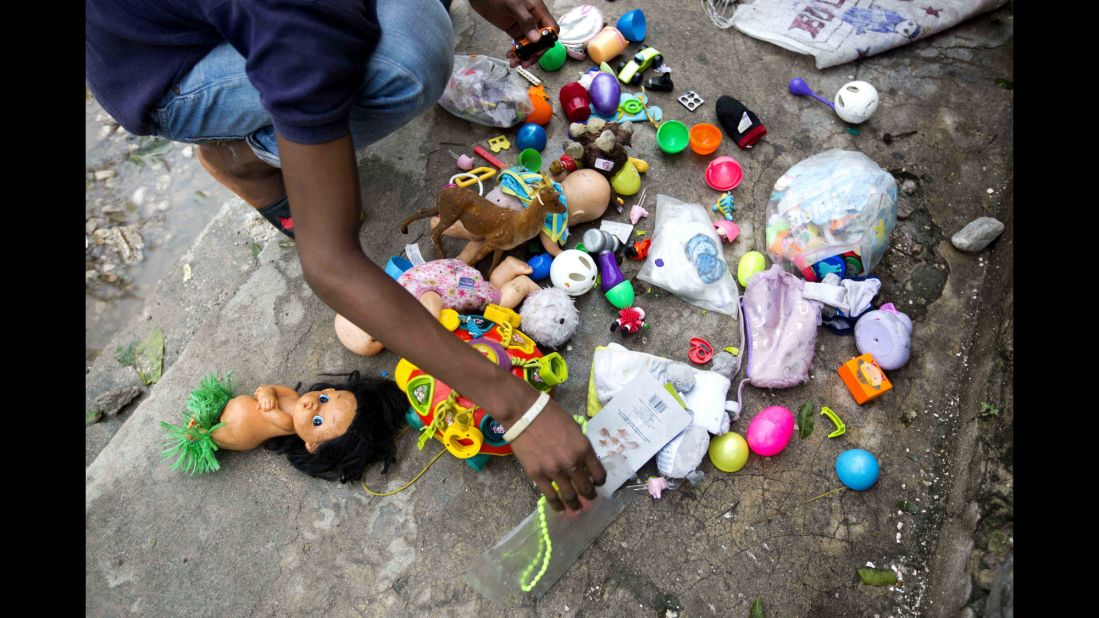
[371, 437]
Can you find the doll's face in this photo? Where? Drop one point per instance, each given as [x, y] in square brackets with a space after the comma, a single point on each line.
[320, 416]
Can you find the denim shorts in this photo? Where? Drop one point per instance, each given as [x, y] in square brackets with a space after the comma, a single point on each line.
[407, 73]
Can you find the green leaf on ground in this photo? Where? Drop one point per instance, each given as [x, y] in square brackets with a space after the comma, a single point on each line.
[201, 195]
[908, 506]
[145, 356]
[149, 357]
[256, 248]
[806, 419]
[92, 417]
[987, 409]
[877, 577]
[757, 609]
[125, 355]
[1006, 84]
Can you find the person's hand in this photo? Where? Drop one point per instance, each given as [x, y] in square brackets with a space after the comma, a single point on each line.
[518, 18]
[552, 448]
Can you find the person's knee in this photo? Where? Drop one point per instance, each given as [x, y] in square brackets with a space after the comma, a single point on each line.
[432, 63]
[418, 47]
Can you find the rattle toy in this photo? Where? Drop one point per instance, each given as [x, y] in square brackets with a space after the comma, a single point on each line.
[856, 101]
[615, 287]
[799, 88]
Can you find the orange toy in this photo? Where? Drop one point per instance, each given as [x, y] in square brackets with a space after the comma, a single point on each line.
[705, 138]
[864, 378]
[543, 111]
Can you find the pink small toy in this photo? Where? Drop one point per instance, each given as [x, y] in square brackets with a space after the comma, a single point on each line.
[727, 230]
[464, 161]
[770, 431]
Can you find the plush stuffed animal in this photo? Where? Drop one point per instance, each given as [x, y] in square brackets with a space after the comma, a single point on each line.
[550, 317]
[599, 145]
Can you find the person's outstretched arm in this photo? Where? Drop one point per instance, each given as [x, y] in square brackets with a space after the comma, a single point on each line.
[323, 189]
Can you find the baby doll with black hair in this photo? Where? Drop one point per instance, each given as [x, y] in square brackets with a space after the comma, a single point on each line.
[332, 431]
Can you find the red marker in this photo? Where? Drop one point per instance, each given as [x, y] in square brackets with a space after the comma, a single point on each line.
[487, 156]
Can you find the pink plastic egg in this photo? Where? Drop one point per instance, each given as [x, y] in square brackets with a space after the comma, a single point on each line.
[770, 431]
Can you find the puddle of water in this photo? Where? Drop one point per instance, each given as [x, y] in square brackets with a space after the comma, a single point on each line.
[160, 189]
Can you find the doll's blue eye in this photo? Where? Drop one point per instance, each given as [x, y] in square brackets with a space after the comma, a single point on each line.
[324, 399]
[317, 420]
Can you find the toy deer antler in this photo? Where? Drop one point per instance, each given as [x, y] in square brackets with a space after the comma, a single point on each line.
[502, 228]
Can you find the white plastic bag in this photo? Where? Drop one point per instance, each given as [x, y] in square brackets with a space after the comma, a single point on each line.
[483, 90]
[836, 32]
[686, 257]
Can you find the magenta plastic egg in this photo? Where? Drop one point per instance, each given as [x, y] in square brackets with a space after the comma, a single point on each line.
[770, 431]
[605, 93]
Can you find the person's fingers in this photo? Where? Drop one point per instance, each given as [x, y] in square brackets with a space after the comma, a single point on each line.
[581, 480]
[566, 491]
[595, 468]
[541, 14]
[525, 22]
[551, 496]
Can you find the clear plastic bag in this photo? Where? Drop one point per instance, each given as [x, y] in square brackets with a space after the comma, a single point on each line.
[484, 90]
[834, 203]
[526, 563]
[687, 258]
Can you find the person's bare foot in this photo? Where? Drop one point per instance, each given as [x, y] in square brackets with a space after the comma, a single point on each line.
[517, 290]
[508, 269]
[236, 166]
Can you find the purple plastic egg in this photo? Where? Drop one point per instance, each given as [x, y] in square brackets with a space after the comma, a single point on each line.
[770, 431]
[605, 93]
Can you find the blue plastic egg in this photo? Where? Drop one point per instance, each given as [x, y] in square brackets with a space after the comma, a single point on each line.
[531, 135]
[541, 265]
[857, 469]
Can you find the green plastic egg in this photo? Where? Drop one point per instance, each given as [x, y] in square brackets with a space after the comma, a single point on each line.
[553, 58]
[750, 264]
[729, 452]
[627, 181]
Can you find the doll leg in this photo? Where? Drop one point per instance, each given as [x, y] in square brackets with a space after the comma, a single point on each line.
[470, 251]
[510, 268]
[551, 247]
[433, 303]
[458, 230]
[516, 291]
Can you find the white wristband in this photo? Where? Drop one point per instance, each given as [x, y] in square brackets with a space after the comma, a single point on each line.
[527, 418]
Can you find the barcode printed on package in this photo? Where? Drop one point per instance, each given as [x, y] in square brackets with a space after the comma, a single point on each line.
[657, 403]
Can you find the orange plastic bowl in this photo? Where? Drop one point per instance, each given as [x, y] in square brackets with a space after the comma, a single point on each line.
[705, 138]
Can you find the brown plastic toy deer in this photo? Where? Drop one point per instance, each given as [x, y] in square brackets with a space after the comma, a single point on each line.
[502, 228]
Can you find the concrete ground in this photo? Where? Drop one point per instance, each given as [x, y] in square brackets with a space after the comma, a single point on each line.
[260, 538]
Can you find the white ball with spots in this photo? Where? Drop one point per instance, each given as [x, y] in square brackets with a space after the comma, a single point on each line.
[574, 272]
[856, 102]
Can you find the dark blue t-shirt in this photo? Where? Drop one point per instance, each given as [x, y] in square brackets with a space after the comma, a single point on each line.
[307, 58]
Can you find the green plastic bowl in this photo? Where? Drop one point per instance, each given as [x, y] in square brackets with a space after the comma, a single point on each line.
[553, 58]
[531, 160]
[672, 137]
